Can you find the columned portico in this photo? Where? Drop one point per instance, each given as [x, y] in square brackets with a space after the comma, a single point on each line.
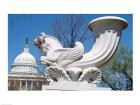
[25, 84]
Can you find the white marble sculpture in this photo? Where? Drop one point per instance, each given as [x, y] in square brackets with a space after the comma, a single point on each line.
[71, 64]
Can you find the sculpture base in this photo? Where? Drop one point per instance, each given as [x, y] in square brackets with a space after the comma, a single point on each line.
[72, 86]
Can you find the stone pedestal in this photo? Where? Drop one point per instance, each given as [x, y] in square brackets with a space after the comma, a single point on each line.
[72, 86]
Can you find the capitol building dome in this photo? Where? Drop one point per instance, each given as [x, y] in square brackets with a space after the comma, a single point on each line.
[24, 74]
[25, 62]
[25, 58]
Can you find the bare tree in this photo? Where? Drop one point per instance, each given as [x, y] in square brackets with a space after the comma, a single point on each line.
[69, 29]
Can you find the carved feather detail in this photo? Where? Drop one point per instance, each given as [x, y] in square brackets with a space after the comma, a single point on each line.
[70, 55]
[90, 75]
[57, 74]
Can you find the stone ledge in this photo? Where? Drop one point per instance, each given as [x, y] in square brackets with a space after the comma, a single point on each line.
[72, 86]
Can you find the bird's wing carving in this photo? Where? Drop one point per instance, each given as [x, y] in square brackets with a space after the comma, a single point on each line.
[69, 55]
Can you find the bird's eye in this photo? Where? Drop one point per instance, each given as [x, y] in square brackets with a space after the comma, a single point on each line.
[39, 41]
